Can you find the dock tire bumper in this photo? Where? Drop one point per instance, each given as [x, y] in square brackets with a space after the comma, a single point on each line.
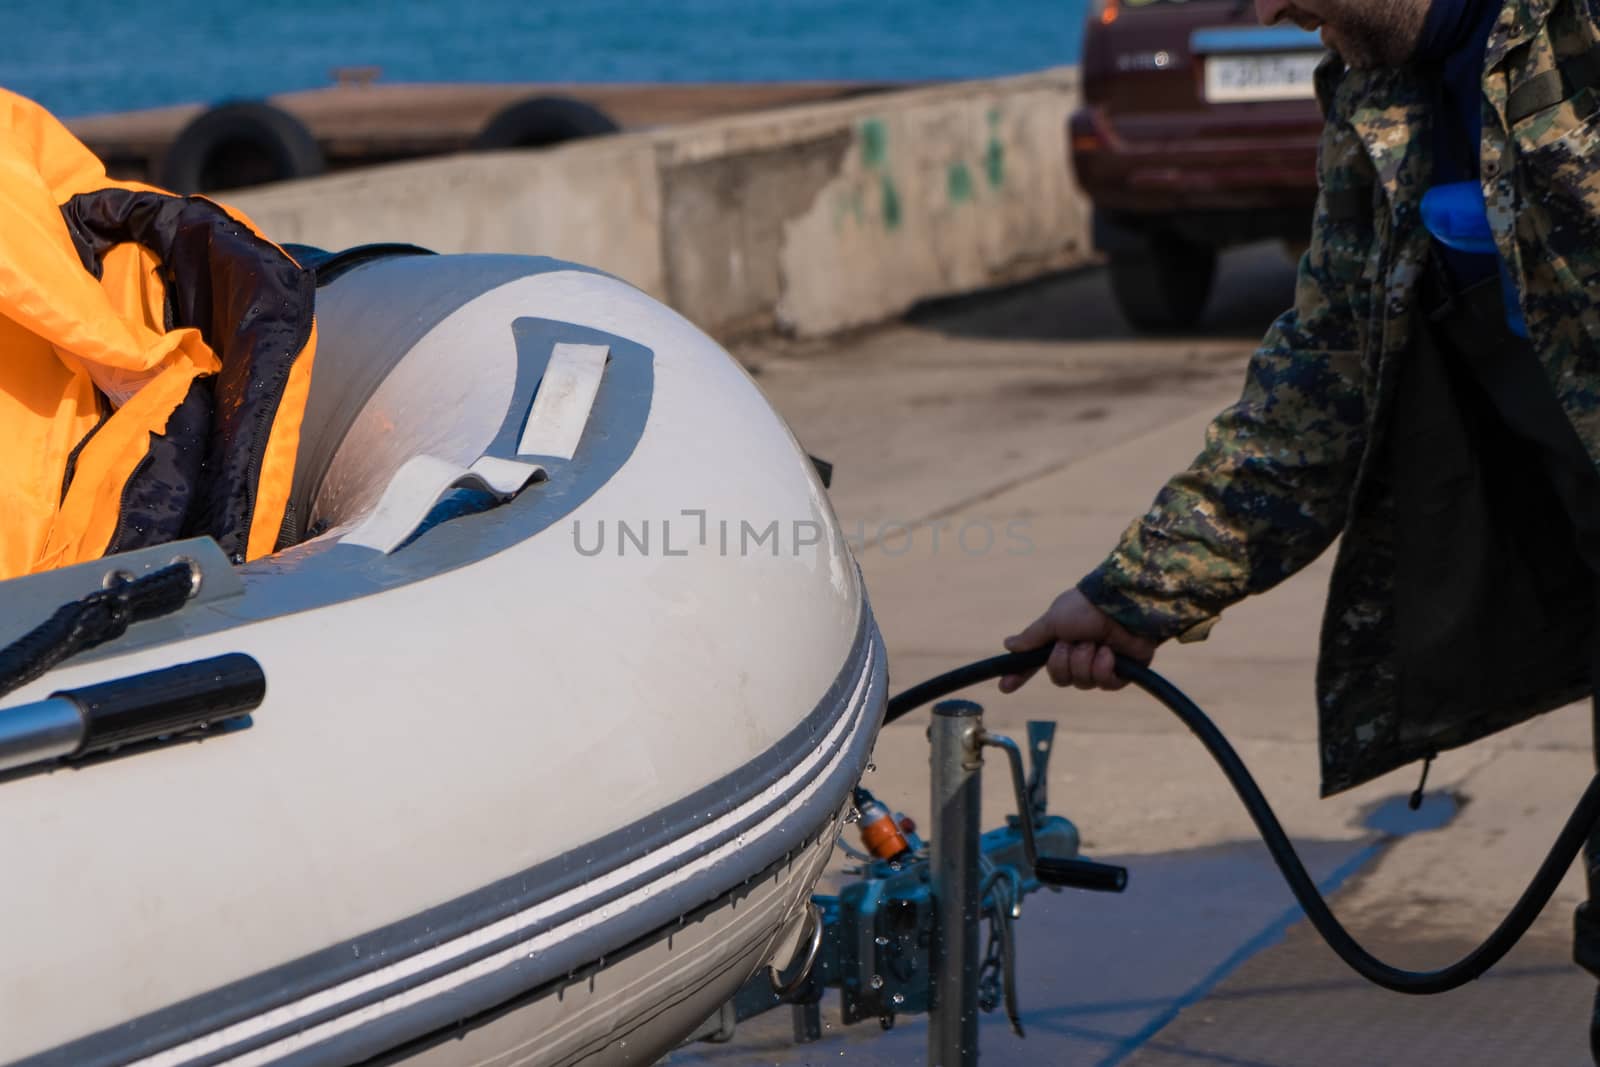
[237, 144]
[541, 121]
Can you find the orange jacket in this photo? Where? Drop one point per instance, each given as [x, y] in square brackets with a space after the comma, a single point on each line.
[155, 355]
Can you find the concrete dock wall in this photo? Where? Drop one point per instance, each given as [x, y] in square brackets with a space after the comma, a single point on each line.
[809, 220]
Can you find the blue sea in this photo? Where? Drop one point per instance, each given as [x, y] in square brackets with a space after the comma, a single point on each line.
[85, 56]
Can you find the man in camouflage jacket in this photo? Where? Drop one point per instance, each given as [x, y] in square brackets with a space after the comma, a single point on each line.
[1308, 452]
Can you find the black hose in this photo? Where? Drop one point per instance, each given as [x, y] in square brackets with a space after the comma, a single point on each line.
[1522, 914]
[962, 677]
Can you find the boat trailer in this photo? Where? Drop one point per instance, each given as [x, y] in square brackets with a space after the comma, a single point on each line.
[903, 937]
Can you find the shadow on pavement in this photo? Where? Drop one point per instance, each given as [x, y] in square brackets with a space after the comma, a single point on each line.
[1255, 284]
[1295, 1005]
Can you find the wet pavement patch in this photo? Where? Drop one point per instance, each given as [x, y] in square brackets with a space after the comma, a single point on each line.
[1395, 817]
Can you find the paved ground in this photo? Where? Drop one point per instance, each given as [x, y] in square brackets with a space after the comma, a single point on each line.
[988, 452]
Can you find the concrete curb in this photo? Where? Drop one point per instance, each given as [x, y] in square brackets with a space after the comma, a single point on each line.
[808, 220]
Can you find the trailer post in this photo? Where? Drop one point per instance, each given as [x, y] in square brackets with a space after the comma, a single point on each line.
[957, 765]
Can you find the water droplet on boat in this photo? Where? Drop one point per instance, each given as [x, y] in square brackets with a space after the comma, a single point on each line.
[897, 999]
[876, 981]
[880, 940]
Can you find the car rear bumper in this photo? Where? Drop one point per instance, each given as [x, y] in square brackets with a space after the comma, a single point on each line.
[1260, 158]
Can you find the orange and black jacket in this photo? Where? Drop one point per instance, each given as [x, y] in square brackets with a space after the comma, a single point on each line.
[155, 356]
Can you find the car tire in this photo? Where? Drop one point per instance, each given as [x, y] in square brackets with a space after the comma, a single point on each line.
[542, 121]
[1162, 282]
[237, 144]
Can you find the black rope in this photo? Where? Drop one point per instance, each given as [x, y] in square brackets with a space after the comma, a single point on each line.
[99, 617]
[1522, 914]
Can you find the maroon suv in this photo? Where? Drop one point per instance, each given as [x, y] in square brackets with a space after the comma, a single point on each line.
[1199, 130]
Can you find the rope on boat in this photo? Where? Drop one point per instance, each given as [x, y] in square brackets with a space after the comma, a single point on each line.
[97, 618]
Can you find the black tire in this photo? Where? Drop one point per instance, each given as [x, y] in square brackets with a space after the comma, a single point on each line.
[1162, 282]
[1594, 1030]
[542, 121]
[242, 143]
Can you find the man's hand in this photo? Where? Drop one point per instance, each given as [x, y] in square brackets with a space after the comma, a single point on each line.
[1086, 639]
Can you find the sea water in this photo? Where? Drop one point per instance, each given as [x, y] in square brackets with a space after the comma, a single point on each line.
[85, 56]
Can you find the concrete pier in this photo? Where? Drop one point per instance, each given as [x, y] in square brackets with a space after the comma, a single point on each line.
[808, 220]
[362, 120]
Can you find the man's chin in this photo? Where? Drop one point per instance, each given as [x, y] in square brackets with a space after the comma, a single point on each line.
[1333, 42]
[1354, 54]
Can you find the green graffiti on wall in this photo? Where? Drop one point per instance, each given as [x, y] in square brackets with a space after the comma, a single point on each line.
[958, 183]
[875, 155]
[994, 157]
[891, 204]
[874, 143]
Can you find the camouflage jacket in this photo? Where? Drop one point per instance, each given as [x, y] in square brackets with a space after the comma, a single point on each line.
[1292, 465]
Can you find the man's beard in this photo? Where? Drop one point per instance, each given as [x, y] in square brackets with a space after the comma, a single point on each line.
[1379, 33]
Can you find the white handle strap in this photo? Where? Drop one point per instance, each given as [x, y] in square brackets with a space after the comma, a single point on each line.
[566, 395]
[555, 425]
[421, 483]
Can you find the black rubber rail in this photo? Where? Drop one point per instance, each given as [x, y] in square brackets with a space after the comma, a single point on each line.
[1522, 914]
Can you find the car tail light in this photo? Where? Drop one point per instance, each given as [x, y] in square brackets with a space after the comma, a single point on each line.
[1084, 133]
[1106, 11]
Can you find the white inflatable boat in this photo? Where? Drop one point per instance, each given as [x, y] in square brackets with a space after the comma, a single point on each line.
[567, 685]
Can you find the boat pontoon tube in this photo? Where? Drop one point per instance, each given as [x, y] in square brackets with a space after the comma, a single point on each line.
[568, 682]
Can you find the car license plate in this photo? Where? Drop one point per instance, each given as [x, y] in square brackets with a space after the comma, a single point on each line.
[1274, 76]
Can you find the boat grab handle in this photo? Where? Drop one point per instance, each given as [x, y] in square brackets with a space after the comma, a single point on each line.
[419, 485]
[782, 989]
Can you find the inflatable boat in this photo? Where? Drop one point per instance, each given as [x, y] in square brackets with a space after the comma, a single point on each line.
[569, 674]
